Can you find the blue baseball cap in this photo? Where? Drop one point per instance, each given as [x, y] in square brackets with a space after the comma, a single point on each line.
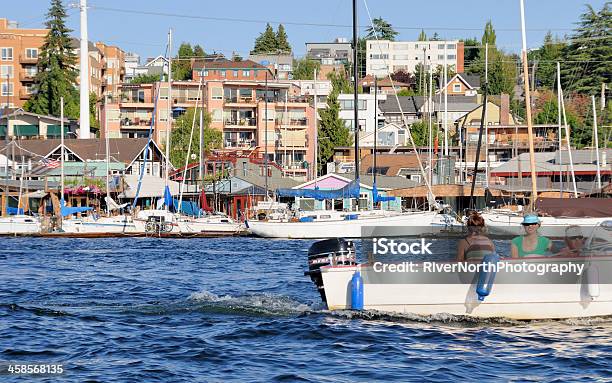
[530, 219]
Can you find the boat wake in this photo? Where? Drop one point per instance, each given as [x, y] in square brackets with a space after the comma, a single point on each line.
[258, 304]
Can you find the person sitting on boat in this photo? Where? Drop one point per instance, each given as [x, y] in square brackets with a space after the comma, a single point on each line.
[574, 242]
[530, 243]
[476, 244]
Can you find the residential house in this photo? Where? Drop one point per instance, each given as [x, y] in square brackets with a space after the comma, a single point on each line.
[338, 52]
[407, 111]
[369, 114]
[25, 126]
[463, 84]
[384, 85]
[281, 65]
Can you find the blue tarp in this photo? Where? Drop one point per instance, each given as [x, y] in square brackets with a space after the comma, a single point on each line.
[351, 190]
[189, 208]
[66, 210]
[168, 197]
[14, 210]
[379, 198]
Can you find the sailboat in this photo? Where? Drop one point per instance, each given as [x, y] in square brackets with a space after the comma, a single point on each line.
[354, 224]
[554, 222]
[344, 284]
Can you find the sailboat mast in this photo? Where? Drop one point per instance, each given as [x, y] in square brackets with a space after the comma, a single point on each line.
[62, 150]
[559, 100]
[169, 121]
[534, 188]
[596, 144]
[486, 122]
[446, 153]
[355, 97]
[107, 154]
[375, 127]
[316, 130]
[567, 137]
[266, 134]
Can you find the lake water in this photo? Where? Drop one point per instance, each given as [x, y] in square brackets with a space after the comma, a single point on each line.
[240, 309]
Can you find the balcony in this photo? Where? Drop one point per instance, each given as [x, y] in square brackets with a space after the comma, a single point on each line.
[23, 95]
[239, 100]
[242, 144]
[135, 123]
[250, 122]
[292, 123]
[26, 77]
[28, 60]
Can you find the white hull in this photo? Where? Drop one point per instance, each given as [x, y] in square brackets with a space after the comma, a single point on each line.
[406, 224]
[103, 225]
[509, 224]
[509, 300]
[19, 224]
[210, 225]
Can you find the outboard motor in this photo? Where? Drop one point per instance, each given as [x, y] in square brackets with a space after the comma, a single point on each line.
[329, 252]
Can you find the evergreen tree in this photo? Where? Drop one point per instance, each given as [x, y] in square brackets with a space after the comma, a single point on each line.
[436, 37]
[587, 59]
[470, 50]
[546, 59]
[332, 130]
[282, 45]
[266, 42]
[56, 75]
[361, 58]
[381, 30]
[489, 34]
[145, 79]
[213, 138]
[422, 36]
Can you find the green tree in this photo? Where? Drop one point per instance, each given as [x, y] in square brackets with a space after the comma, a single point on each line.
[546, 58]
[380, 30]
[470, 46]
[361, 58]
[406, 92]
[422, 36]
[303, 69]
[181, 133]
[198, 51]
[282, 44]
[181, 66]
[145, 79]
[436, 37]
[93, 111]
[419, 132]
[266, 42]
[340, 82]
[332, 130]
[56, 75]
[587, 60]
[502, 70]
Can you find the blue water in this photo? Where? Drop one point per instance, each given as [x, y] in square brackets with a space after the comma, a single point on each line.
[219, 310]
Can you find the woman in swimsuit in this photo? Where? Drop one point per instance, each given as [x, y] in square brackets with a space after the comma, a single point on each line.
[476, 245]
[530, 243]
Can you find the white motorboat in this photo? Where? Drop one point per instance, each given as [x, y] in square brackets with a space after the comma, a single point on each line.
[19, 224]
[325, 224]
[516, 296]
[507, 223]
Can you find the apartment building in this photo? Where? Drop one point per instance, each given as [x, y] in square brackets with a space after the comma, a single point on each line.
[113, 72]
[367, 111]
[19, 50]
[338, 52]
[234, 93]
[384, 57]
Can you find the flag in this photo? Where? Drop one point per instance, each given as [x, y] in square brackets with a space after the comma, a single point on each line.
[50, 163]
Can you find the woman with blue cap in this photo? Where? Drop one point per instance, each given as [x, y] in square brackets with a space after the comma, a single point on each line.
[530, 243]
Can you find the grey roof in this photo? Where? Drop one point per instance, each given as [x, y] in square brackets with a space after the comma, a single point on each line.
[472, 79]
[408, 104]
[382, 182]
[273, 182]
[584, 160]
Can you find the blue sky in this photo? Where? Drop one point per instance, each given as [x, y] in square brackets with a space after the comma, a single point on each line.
[146, 34]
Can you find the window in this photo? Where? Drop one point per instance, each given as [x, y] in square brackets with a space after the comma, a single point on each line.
[217, 115]
[163, 93]
[271, 114]
[348, 104]
[451, 46]
[452, 57]
[6, 54]
[440, 57]
[440, 46]
[415, 177]
[113, 115]
[456, 87]
[284, 67]
[245, 93]
[204, 73]
[6, 70]
[401, 57]
[307, 204]
[32, 53]
[163, 115]
[30, 89]
[31, 70]
[217, 93]
[222, 72]
[235, 71]
[7, 89]
[246, 73]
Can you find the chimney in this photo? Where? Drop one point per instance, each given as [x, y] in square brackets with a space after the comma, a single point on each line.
[460, 57]
[504, 110]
